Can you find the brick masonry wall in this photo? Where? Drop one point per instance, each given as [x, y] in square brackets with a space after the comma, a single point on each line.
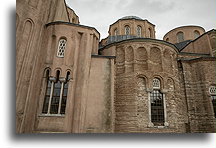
[136, 66]
[199, 76]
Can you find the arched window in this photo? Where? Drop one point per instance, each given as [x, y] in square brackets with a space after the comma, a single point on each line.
[212, 92]
[127, 30]
[64, 95]
[196, 34]
[156, 83]
[157, 104]
[56, 94]
[139, 31]
[61, 48]
[116, 32]
[180, 37]
[47, 94]
[150, 32]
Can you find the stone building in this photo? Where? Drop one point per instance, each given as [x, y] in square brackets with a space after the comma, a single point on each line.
[69, 82]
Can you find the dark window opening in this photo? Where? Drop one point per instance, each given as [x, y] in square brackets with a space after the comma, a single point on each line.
[214, 104]
[157, 108]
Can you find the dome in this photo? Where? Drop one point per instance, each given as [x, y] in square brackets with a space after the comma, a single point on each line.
[130, 17]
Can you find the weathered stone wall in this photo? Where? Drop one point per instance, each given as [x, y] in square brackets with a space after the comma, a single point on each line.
[37, 45]
[188, 32]
[137, 63]
[148, 29]
[77, 61]
[201, 45]
[199, 75]
[99, 104]
[30, 24]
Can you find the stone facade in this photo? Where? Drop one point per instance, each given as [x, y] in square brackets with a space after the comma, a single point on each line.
[69, 82]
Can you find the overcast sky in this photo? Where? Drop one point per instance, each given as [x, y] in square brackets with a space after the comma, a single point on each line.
[165, 14]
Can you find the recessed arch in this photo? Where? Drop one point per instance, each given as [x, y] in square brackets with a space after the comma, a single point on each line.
[127, 30]
[129, 56]
[180, 36]
[115, 32]
[139, 31]
[160, 78]
[196, 34]
[167, 60]
[120, 55]
[156, 60]
[47, 71]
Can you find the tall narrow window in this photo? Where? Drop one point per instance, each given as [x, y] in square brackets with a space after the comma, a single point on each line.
[61, 48]
[196, 34]
[157, 104]
[127, 30]
[180, 37]
[150, 32]
[64, 95]
[56, 94]
[212, 92]
[116, 32]
[139, 31]
[47, 95]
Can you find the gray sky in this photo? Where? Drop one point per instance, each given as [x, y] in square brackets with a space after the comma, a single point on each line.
[165, 14]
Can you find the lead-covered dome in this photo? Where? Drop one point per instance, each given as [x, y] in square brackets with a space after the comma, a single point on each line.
[130, 17]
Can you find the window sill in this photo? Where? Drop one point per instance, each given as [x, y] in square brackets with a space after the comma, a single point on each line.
[151, 125]
[51, 115]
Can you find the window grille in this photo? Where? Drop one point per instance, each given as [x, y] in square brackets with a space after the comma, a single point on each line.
[212, 90]
[156, 83]
[127, 30]
[157, 108]
[61, 48]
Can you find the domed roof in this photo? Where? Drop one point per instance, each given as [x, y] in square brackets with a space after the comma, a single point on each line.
[130, 17]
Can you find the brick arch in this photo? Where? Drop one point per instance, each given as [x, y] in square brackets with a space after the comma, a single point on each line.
[129, 54]
[156, 59]
[141, 57]
[120, 55]
[167, 61]
[46, 70]
[55, 71]
[141, 54]
[120, 60]
[161, 80]
[170, 84]
[129, 59]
